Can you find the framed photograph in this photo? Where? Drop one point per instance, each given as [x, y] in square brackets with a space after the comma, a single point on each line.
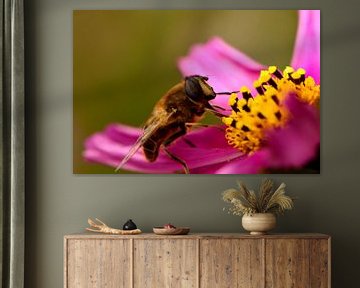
[196, 91]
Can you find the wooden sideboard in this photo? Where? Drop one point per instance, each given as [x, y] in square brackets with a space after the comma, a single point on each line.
[197, 260]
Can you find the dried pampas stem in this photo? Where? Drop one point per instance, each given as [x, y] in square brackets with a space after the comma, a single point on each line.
[101, 227]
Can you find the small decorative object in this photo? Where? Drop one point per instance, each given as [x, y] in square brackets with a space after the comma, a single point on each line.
[258, 209]
[169, 229]
[129, 225]
[169, 226]
[101, 227]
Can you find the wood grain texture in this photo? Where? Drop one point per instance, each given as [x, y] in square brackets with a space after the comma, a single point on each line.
[231, 263]
[88, 235]
[287, 263]
[165, 263]
[319, 263]
[98, 263]
[197, 260]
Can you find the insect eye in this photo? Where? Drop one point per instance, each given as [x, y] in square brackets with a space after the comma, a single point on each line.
[205, 78]
[193, 88]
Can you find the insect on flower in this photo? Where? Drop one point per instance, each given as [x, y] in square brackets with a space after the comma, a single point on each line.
[262, 133]
[181, 108]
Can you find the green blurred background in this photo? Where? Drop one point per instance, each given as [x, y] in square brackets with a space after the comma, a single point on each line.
[124, 61]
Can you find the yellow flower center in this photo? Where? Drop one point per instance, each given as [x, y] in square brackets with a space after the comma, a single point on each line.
[252, 117]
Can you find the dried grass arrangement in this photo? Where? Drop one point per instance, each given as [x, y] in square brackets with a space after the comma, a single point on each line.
[247, 202]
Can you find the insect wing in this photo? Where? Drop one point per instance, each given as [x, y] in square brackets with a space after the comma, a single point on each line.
[147, 133]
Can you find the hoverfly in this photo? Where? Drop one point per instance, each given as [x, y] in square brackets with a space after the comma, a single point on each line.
[178, 110]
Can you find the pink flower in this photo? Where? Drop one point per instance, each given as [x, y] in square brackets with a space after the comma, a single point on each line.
[287, 141]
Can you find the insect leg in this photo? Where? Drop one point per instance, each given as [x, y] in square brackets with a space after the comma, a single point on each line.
[177, 159]
[188, 142]
[210, 108]
[171, 139]
[216, 113]
[218, 107]
[178, 134]
[191, 124]
[203, 125]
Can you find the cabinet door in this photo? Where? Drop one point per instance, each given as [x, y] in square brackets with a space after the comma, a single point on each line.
[165, 263]
[320, 263]
[287, 263]
[98, 263]
[231, 263]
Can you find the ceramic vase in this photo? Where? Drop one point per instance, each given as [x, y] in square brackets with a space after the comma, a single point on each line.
[259, 223]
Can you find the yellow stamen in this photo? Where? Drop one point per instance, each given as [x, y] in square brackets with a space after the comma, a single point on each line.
[244, 89]
[301, 71]
[252, 118]
[288, 70]
[227, 120]
[257, 83]
[272, 69]
[296, 75]
[232, 99]
[264, 76]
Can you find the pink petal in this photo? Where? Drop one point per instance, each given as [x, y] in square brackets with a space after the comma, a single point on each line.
[226, 67]
[297, 143]
[252, 164]
[103, 150]
[110, 146]
[307, 45]
[208, 169]
[121, 133]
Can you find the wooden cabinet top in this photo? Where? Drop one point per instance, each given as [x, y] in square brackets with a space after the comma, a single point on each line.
[199, 236]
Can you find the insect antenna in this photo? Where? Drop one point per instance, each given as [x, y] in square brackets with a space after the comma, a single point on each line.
[214, 107]
[226, 93]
